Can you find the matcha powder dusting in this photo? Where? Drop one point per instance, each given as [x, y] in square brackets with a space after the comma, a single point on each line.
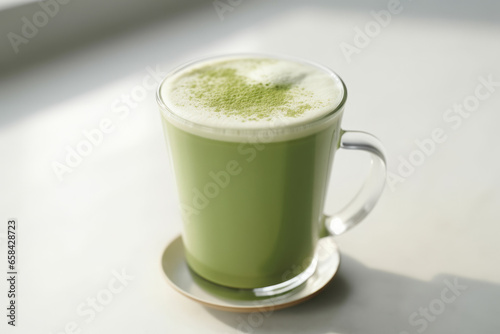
[250, 92]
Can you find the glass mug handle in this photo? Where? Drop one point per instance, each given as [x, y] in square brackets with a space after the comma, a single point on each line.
[366, 198]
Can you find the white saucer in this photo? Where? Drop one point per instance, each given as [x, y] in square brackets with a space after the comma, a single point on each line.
[182, 279]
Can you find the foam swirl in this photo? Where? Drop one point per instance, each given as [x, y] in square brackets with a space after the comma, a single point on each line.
[246, 92]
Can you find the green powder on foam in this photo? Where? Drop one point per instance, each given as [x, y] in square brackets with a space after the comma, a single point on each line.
[223, 90]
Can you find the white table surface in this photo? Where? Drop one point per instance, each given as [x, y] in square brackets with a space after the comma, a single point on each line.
[116, 210]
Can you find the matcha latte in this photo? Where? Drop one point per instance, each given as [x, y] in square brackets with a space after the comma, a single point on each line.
[251, 141]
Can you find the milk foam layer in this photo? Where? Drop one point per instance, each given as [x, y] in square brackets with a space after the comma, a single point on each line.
[248, 92]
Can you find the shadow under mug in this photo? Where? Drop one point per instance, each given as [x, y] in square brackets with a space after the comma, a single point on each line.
[252, 200]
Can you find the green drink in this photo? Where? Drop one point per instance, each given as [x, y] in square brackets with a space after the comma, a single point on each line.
[252, 140]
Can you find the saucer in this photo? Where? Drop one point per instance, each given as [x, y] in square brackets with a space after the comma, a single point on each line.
[188, 283]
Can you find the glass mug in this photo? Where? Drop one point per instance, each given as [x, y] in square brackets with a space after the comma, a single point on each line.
[252, 200]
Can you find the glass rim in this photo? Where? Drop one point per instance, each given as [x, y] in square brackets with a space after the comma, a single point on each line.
[297, 127]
